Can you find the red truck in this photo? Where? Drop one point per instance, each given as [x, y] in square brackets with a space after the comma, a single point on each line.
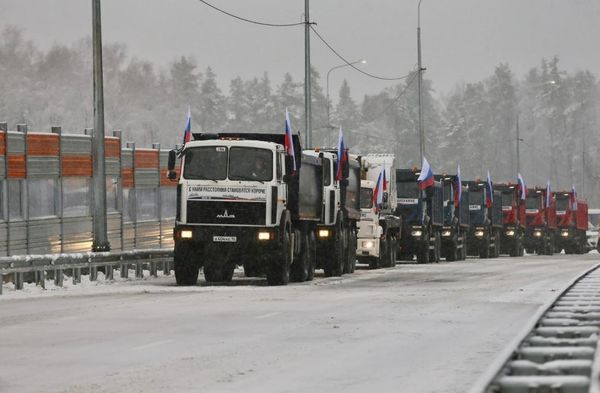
[513, 220]
[572, 220]
[540, 213]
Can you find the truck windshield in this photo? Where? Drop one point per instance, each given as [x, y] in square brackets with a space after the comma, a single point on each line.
[475, 197]
[562, 203]
[507, 198]
[532, 202]
[205, 163]
[408, 190]
[250, 163]
[366, 198]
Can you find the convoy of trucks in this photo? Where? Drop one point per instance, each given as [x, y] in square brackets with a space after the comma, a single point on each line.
[248, 199]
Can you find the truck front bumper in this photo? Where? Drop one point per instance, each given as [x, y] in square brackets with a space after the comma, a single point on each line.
[367, 247]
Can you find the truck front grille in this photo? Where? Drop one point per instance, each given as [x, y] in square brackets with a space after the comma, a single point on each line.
[226, 213]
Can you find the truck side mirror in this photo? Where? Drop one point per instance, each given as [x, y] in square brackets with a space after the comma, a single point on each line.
[172, 175]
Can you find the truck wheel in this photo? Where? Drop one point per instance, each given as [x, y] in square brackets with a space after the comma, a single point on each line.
[334, 266]
[312, 252]
[278, 272]
[218, 272]
[351, 252]
[463, 250]
[452, 253]
[251, 270]
[423, 253]
[393, 251]
[514, 249]
[185, 266]
[301, 264]
[497, 243]
[435, 254]
[484, 249]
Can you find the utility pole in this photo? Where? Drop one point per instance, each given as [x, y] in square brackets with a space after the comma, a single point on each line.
[99, 177]
[518, 151]
[420, 85]
[307, 98]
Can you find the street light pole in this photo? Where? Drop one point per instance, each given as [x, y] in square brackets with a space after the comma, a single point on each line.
[420, 85]
[518, 151]
[307, 88]
[329, 126]
[100, 242]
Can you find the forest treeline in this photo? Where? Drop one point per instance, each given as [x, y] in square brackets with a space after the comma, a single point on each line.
[557, 112]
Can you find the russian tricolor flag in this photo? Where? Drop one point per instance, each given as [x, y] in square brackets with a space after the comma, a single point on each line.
[489, 197]
[425, 179]
[573, 198]
[378, 191]
[288, 141]
[522, 187]
[187, 133]
[548, 194]
[457, 188]
[342, 156]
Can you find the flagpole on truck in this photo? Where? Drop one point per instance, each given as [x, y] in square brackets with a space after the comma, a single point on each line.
[100, 242]
[307, 98]
[420, 85]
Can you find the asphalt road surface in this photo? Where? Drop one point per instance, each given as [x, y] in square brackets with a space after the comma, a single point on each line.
[412, 328]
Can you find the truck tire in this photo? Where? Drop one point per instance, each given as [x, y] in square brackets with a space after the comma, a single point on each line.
[301, 264]
[218, 272]
[185, 266]
[423, 252]
[484, 249]
[334, 266]
[497, 243]
[435, 254]
[312, 247]
[278, 270]
[378, 262]
[452, 252]
[351, 264]
[251, 270]
[393, 251]
[515, 248]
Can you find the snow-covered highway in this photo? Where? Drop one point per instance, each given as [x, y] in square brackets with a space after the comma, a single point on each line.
[412, 328]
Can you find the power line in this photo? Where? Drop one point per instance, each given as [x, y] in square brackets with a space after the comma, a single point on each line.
[352, 65]
[250, 20]
[398, 96]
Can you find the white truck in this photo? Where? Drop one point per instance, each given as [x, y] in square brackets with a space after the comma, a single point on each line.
[240, 202]
[379, 229]
[336, 232]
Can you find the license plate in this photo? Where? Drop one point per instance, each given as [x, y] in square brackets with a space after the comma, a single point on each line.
[225, 239]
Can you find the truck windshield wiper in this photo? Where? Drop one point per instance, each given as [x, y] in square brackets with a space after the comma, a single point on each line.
[200, 177]
[242, 177]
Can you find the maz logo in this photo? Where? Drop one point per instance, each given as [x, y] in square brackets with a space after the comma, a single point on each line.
[225, 215]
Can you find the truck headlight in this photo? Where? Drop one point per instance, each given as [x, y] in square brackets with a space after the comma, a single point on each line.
[537, 233]
[265, 235]
[479, 233]
[510, 233]
[186, 234]
[446, 233]
[416, 233]
[323, 233]
[367, 244]
[564, 234]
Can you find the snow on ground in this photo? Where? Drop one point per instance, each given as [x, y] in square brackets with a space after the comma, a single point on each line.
[412, 328]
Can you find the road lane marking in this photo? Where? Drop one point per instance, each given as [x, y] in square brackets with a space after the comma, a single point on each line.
[269, 315]
[151, 345]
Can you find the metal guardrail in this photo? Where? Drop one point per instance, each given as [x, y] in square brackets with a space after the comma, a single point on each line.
[40, 265]
[558, 352]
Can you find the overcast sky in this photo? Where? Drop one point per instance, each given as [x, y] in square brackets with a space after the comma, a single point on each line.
[462, 39]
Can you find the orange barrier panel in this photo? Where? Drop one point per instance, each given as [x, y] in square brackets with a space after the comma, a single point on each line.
[16, 166]
[146, 159]
[77, 166]
[127, 177]
[42, 144]
[2, 143]
[112, 147]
